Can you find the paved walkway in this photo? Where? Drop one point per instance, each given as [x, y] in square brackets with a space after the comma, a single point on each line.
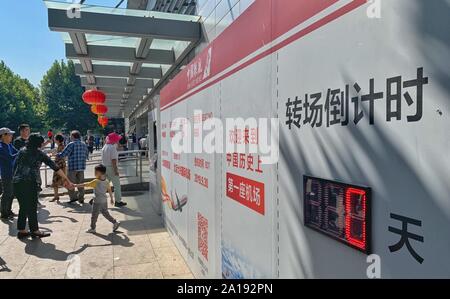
[141, 249]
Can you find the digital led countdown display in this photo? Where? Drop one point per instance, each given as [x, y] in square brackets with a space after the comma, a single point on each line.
[341, 211]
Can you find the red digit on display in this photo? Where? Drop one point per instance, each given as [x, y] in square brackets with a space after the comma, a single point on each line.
[352, 219]
[339, 210]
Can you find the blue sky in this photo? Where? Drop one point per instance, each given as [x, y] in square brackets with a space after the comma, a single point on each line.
[27, 45]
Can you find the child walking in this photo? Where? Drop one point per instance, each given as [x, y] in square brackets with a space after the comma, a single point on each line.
[100, 202]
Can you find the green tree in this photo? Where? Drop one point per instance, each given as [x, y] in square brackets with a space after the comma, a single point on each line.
[19, 101]
[62, 93]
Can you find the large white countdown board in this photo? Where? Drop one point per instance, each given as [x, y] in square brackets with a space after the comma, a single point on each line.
[360, 90]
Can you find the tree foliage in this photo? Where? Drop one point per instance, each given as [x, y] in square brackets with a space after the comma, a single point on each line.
[56, 105]
[61, 92]
[19, 101]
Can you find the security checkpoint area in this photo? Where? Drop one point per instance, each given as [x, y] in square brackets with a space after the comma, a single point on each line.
[267, 139]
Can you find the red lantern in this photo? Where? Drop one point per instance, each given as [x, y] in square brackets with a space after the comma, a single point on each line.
[103, 120]
[94, 97]
[99, 109]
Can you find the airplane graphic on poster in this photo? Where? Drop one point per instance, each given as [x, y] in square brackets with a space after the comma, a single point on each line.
[174, 205]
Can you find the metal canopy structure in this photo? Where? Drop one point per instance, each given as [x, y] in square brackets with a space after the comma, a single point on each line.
[121, 51]
[176, 6]
[173, 6]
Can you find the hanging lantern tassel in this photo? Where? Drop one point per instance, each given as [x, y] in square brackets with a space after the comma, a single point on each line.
[103, 121]
[99, 109]
[94, 97]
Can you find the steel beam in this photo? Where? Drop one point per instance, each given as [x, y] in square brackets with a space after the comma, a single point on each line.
[121, 54]
[124, 25]
[118, 82]
[117, 89]
[119, 71]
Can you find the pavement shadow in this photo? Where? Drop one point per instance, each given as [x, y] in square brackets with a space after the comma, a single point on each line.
[137, 225]
[116, 238]
[128, 212]
[76, 208]
[3, 266]
[45, 218]
[12, 226]
[48, 251]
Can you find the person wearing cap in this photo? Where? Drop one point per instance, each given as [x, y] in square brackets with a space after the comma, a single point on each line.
[110, 158]
[77, 154]
[8, 154]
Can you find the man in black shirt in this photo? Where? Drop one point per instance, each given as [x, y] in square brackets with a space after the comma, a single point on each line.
[21, 141]
[25, 132]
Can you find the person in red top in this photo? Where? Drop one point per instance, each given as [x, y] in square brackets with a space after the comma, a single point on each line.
[50, 137]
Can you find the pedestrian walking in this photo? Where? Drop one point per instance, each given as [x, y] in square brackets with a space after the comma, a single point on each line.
[26, 185]
[100, 201]
[110, 159]
[58, 181]
[90, 143]
[8, 155]
[97, 143]
[77, 153]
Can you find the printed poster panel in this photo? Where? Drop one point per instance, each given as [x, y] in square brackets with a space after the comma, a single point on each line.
[248, 194]
[166, 166]
[202, 108]
[177, 197]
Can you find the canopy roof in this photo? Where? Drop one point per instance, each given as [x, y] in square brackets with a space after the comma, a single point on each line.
[123, 52]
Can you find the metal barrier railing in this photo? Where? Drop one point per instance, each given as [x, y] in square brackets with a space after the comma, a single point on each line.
[124, 156]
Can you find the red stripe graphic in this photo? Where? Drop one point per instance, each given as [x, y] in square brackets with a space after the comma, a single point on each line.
[262, 23]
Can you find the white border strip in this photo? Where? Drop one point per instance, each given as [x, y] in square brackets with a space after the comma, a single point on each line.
[323, 14]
